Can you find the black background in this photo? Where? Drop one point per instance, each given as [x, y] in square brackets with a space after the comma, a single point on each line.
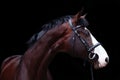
[21, 19]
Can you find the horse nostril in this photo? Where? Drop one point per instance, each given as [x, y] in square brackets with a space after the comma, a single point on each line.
[107, 60]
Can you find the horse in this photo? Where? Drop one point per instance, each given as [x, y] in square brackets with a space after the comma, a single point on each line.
[68, 34]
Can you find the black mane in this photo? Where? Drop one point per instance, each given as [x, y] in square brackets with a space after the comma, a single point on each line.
[47, 27]
[56, 22]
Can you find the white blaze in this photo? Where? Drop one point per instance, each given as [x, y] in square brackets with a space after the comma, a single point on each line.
[101, 53]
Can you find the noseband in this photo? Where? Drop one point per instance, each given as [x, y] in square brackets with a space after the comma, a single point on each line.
[91, 55]
[89, 49]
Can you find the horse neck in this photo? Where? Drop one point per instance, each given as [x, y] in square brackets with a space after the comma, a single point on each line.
[38, 57]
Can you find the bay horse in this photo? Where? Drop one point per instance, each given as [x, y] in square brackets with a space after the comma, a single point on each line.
[68, 34]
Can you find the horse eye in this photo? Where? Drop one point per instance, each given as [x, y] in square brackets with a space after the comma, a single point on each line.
[87, 33]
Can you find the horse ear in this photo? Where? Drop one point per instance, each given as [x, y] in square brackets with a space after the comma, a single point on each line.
[79, 14]
[83, 16]
[76, 17]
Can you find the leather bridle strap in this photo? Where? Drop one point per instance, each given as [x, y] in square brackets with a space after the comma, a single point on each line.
[93, 47]
[89, 49]
[76, 33]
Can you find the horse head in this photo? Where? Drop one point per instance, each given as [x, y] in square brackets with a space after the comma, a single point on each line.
[78, 41]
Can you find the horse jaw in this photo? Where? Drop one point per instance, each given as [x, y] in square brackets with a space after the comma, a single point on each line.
[101, 52]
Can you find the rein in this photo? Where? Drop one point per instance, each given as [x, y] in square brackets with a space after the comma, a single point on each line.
[89, 49]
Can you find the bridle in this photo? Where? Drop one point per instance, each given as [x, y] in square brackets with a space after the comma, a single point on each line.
[88, 48]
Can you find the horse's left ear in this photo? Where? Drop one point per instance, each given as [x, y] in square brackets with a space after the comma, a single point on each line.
[79, 14]
[76, 17]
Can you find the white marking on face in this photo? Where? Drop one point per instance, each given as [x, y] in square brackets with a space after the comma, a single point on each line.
[101, 52]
